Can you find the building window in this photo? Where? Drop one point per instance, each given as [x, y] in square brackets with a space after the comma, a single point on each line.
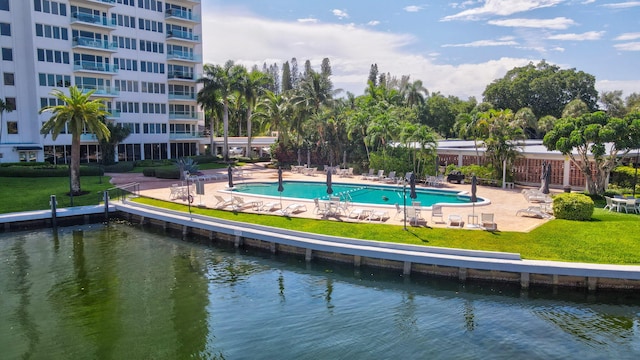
[4, 5]
[12, 127]
[7, 54]
[5, 29]
[28, 156]
[9, 78]
[11, 102]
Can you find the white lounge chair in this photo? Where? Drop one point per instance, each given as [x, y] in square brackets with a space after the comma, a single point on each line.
[222, 202]
[291, 209]
[378, 215]
[455, 221]
[271, 205]
[366, 175]
[414, 216]
[238, 203]
[533, 211]
[358, 213]
[436, 212]
[487, 223]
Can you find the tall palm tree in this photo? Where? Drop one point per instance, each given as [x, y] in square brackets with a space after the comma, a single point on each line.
[213, 109]
[274, 109]
[77, 113]
[4, 107]
[253, 85]
[222, 80]
[415, 93]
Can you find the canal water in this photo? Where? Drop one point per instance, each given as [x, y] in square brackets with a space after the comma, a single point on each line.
[122, 292]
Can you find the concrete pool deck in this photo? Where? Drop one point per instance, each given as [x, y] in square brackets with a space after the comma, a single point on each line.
[504, 203]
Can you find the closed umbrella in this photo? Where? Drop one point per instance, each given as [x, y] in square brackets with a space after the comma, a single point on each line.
[546, 178]
[412, 186]
[230, 176]
[280, 186]
[299, 159]
[329, 189]
[474, 198]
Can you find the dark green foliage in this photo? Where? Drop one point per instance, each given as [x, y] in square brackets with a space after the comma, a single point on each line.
[623, 176]
[153, 163]
[150, 172]
[27, 164]
[573, 206]
[47, 171]
[120, 167]
[167, 173]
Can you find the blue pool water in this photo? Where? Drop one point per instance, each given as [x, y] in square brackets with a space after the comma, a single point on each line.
[356, 193]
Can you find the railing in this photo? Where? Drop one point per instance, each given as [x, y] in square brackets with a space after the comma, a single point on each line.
[180, 75]
[123, 192]
[182, 35]
[88, 137]
[94, 66]
[181, 14]
[181, 96]
[92, 19]
[185, 135]
[180, 55]
[191, 115]
[94, 43]
[106, 2]
[113, 113]
[102, 90]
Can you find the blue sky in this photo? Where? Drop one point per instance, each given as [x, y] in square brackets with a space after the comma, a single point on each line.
[456, 48]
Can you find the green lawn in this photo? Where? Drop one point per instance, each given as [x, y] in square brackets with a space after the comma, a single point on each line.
[608, 238]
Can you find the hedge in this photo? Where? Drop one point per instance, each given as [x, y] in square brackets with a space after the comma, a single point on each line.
[47, 171]
[573, 206]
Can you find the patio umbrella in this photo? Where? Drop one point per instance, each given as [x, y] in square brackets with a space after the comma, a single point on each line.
[329, 189]
[546, 177]
[280, 186]
[412, 186]
[474, 189]
[230, 176]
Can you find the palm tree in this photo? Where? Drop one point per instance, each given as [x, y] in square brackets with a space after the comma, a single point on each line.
[118, 134]
[213, 109]
[415, 93]
[252, 86]
[221, 80]
[77, 113]
[3, 107]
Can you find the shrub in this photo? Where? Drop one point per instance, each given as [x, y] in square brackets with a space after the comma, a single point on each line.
[150, 172]
[47, 171]
[167, 173]
[573, 206]
[120, 167]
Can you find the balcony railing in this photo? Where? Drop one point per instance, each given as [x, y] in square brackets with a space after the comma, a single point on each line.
[183, 35]
[185, 135]
[101, 90]
[88, 137]
[188, 115]
[91, 19]
[94, 43]
[181, 14]
[181, 96]
[102, 2]
[181, 75]
[113, 114]
[185, 56]
[94, 66]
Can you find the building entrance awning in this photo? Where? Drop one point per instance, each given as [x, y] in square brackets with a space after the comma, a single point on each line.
[23, 148]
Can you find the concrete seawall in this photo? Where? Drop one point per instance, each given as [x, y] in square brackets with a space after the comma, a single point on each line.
[460, 264]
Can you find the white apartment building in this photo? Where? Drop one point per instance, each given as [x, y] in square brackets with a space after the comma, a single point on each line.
[142, 56]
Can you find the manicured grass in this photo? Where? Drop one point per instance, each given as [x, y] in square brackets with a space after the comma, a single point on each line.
[612, 238]
[24, 194]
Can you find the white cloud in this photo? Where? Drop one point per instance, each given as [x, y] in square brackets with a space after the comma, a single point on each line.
[340, 14]
[412, 8]
[631, 46]
[627, 86]
[623, 5]
[559, 23]
[590, 35]
[252, 41]
[628, 36]
[373, 23]
[484, 43]
[308, 20]
[501, 8]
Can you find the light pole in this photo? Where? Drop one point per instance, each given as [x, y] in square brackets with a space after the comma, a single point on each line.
[635, 177]
[404, 198]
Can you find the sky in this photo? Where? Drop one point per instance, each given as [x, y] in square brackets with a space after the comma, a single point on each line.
[455, 48]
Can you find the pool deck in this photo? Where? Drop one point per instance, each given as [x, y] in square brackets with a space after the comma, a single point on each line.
[504, 203]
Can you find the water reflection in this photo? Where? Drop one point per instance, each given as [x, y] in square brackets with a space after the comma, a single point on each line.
[119, 292]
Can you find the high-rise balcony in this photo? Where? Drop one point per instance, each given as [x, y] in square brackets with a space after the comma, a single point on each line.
[93, 20]
[177, 14]
[185, 135]
[108, 3]
[107, 91]
[181, 75]
[182, 35]
[186, 115]
[113, 114]
[183, 56]
[182, 96]
[94, 67]
[94, 44]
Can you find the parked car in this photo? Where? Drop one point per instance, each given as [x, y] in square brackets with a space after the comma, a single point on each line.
[455, 176]
[236, 151]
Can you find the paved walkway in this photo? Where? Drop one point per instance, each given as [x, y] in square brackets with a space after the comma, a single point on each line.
[504, 203]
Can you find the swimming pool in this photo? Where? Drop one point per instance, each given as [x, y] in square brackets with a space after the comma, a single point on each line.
[356, 193]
